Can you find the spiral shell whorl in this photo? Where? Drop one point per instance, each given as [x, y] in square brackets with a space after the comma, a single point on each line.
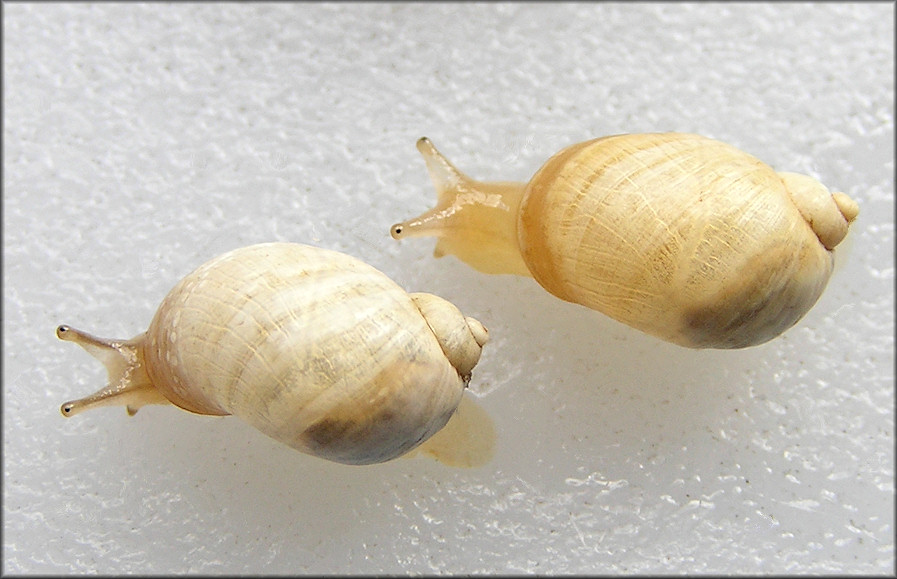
[461, 338]
[827, 214]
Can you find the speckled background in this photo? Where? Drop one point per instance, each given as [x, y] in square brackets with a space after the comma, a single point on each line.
[141, 140]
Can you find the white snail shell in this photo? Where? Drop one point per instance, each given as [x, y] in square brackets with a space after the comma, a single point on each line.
[678, 235]
[312, 347]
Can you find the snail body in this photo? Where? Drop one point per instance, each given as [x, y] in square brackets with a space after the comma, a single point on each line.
[677, 235]
[312, 347]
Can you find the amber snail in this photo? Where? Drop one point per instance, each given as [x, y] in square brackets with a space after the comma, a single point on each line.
[313, 347]
[678, 235]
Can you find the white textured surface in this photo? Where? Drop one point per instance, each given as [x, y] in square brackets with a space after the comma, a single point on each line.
[139, 141]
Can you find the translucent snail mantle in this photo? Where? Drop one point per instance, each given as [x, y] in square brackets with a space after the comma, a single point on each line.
[680, 236]
[313, 347]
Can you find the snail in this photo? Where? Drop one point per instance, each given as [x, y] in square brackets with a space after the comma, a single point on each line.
[680, 236]
[313, 347]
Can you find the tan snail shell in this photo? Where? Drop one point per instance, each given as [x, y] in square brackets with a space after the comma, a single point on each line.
[313, 347]
[678, 235]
